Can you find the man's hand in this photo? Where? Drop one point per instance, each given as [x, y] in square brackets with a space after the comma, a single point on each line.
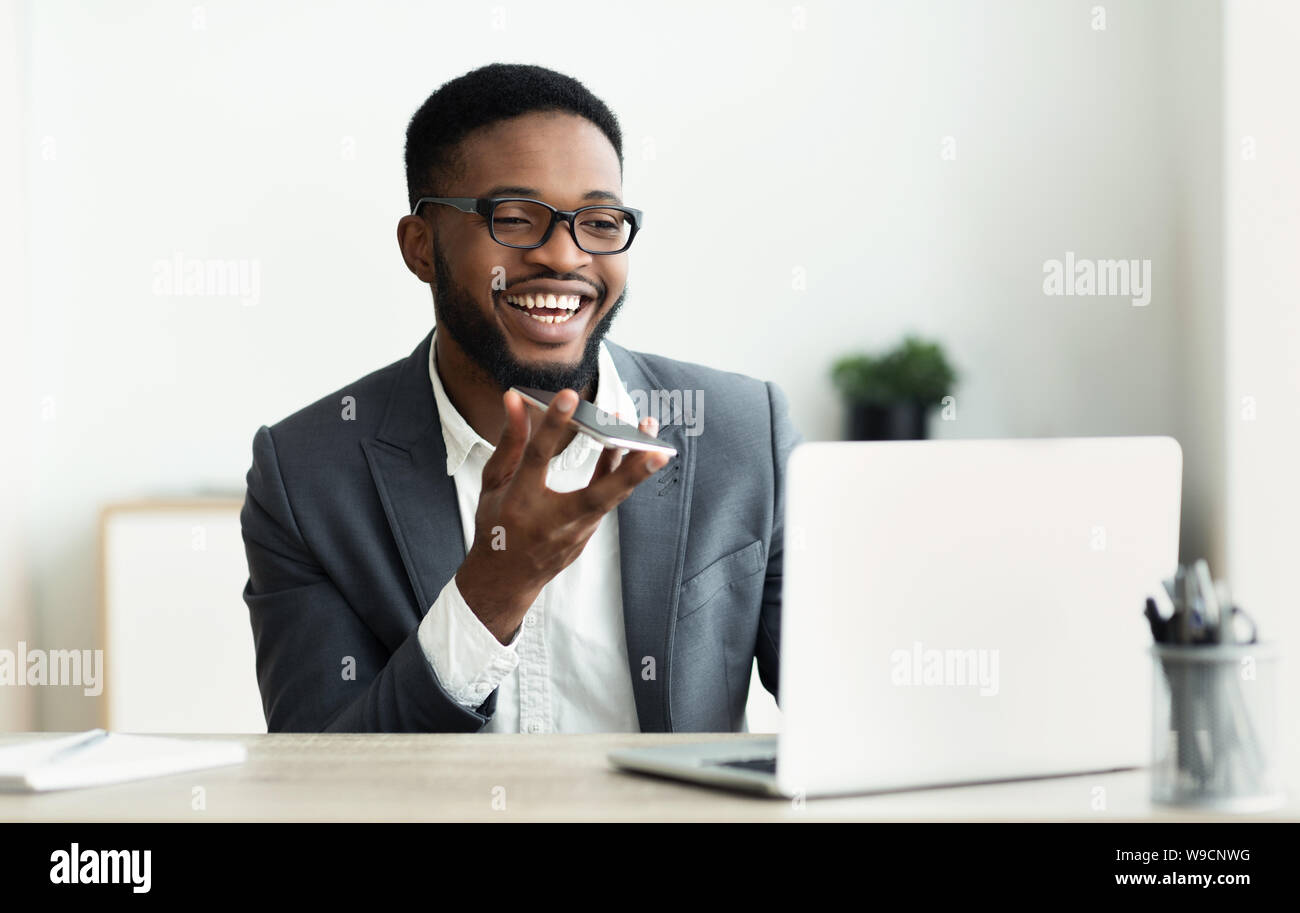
[544, 530]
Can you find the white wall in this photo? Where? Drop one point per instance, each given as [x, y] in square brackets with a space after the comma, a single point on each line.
[1262, 428]
[16, 708]
[274, 133]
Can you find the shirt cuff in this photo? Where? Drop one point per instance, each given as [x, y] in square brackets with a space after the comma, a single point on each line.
[467, 658]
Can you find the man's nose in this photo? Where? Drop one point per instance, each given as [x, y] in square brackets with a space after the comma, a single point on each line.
[560, 250]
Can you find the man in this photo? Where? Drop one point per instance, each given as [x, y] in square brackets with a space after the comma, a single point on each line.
[426, 555]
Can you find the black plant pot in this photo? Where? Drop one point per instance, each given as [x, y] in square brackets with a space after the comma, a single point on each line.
[891, 422]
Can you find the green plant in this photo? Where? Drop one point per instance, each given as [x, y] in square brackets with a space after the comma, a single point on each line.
[913, 371]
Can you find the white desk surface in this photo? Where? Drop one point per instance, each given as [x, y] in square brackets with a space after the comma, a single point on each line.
[455, 777]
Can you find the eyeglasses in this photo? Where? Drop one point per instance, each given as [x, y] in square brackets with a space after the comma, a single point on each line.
[524, 223]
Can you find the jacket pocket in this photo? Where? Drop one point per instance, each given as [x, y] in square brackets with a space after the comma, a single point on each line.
[737, 565]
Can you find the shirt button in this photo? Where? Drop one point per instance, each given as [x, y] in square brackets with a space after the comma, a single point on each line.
[530, 619]
[534, 726]
[481, 688]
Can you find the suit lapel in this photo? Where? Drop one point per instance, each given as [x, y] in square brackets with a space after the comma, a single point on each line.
[652, 548]
[408, 460]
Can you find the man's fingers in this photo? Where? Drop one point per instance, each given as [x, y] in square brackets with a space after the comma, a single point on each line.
[546, 441]
[514, 436]
[606, 463]
[604, 494]
[610, 457]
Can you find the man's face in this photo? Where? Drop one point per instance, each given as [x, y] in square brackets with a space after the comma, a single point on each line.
[558, 159]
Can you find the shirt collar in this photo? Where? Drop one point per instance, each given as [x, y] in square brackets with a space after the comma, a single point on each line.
[461, 439]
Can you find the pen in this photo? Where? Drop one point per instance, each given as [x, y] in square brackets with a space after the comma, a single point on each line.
[1183, 605]
[1209, 601]
[1164, 602]
[1213, 681]
[86, 740]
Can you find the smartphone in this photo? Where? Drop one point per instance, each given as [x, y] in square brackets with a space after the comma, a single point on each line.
[605, 428]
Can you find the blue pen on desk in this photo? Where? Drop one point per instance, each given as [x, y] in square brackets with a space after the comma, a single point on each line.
[87, 739]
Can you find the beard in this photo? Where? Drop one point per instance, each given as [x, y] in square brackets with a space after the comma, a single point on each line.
[483, 341]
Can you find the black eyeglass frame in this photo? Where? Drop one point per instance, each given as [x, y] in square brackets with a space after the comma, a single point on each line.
[486, 207]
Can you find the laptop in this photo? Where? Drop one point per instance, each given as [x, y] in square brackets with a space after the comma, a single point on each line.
[958, 612]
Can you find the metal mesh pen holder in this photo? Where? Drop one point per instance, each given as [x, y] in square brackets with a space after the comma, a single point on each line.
[1214, 727]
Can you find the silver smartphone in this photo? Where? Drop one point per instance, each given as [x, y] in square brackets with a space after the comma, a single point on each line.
[605, 428]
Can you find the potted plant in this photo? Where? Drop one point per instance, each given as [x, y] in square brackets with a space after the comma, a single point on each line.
[889, 395]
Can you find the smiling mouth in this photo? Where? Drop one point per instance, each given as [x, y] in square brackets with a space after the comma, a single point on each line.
[549, 308]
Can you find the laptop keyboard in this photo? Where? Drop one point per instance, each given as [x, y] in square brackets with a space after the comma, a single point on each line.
[760, 765]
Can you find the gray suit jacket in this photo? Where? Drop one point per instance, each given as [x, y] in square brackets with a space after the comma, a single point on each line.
[352, 529]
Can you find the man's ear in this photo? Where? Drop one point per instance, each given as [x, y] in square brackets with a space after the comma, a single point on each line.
[415, 240]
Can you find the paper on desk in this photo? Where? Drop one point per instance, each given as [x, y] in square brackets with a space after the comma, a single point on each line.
[44, 764]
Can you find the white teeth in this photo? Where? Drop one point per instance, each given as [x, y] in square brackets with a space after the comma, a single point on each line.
[551, 319]
[553, 302]
[549, 301]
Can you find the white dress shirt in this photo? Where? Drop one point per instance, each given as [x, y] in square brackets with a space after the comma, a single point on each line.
[566, 670]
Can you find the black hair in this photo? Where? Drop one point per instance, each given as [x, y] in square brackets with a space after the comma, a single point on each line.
[481, 97]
